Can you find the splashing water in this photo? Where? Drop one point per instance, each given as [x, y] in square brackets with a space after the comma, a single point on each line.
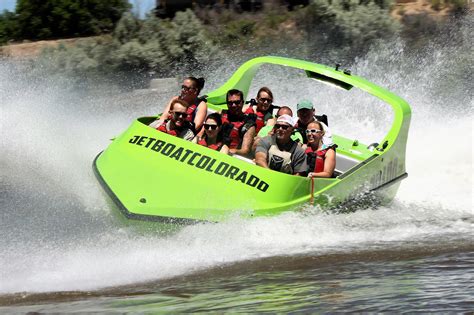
[57, 232]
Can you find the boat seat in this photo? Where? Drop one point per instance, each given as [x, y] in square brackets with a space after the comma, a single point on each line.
[343, 164]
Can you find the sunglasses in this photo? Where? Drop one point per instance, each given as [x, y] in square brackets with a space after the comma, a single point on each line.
[265, 100]
[234, 102]
[278, 126]
[187, 88]
[180, 114]
[210, 127]
[310, 131]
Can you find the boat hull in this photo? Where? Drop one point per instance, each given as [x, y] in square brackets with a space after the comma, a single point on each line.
[153, 176]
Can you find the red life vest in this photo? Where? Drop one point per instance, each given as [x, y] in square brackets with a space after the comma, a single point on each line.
[162, 128]
[216, 146]
[315, 159]
[235, 138]
[260, 118]
[190, 111]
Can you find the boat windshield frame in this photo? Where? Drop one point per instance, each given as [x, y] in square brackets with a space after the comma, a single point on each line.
[242, 78]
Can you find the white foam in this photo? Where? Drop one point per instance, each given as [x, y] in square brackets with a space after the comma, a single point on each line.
[47, 139]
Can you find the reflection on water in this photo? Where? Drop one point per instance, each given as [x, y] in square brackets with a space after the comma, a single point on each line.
[439, 283]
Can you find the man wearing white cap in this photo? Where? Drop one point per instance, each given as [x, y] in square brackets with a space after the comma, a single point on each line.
[278, 152]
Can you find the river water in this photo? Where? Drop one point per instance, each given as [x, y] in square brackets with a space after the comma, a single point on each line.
[63, 250]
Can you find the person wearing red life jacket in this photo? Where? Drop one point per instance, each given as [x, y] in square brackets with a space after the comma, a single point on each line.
[262, 108]
[321, 159]
[177, 125]
[197, 109]
[213, 137]
[238, 127]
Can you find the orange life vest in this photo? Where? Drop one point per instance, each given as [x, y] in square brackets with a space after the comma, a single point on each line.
[315, 159]
[162, 128]
[260, 122]
[216, 146]
[234, 136]
[191, 113]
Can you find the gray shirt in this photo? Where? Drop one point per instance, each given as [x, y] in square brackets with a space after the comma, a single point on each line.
[298, 158]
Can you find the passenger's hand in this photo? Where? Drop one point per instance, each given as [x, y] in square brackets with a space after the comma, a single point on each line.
[310, 174]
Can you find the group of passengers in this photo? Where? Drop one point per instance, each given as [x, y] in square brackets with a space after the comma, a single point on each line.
[280, 142]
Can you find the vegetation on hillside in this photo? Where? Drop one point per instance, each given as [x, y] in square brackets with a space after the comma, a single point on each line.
[131, 50]
[49, 19]
[137, 48]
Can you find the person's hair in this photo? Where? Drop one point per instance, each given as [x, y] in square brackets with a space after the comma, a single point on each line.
[216, 117]
[234, 92]
[266, 90]
[198, 83]
[319, 124]
[287, 109]
[178, 101]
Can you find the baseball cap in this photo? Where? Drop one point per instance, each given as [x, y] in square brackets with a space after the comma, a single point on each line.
[286, 119]
[304, 104]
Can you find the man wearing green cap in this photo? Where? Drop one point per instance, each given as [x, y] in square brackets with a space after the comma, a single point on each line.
[306, 115]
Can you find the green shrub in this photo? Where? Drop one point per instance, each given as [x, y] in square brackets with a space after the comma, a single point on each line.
[238, 30]
[458, 5]
[346, 24]
[127, 28]
[136, 48]
[437, 4]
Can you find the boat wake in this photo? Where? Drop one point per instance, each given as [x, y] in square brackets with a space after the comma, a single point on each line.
[57, 232]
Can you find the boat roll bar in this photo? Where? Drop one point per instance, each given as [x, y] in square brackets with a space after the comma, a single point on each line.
[242, 78]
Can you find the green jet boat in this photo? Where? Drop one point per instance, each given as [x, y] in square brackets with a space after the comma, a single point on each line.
[153, 176]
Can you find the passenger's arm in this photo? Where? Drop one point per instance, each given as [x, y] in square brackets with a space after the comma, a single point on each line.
[256, 140]
[246, 143]
[261, 159]
[201, 113]
[271, 121]
[329, 165]
[166, 113]
[224, 149]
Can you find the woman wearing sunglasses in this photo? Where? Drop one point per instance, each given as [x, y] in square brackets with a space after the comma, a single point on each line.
[262, 108]
[213, 135]
[177, 125]
[321, 159]
[197, 109]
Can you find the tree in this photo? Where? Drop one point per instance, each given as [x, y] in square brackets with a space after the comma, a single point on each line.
[67, 18]
[8, 26]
